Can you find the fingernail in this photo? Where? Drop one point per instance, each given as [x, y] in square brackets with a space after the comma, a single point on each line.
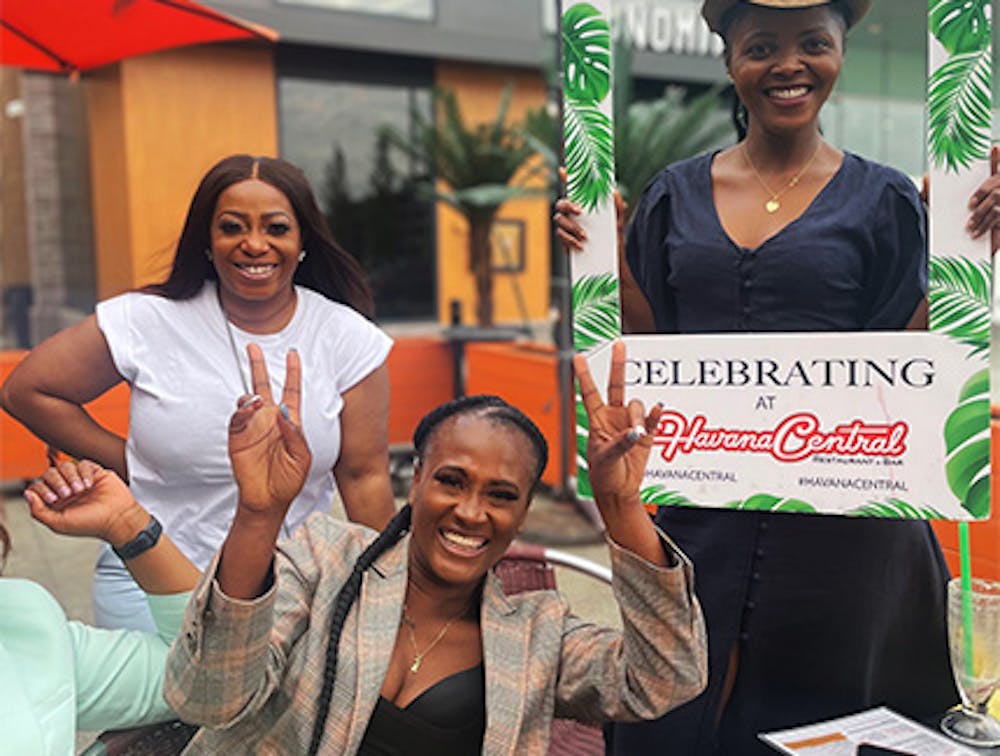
[87, 483]
[50, 497]
[283, 409]
[247, 401]
[65, 491]
[293, 349]
[77, 486]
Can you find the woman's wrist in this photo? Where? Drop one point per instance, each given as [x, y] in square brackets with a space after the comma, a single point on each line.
[126, 526]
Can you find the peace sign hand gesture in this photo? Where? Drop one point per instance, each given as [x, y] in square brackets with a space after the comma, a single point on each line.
[618, 446]
[267, 449]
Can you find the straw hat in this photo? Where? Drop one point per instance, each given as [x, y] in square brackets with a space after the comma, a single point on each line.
[714, 11]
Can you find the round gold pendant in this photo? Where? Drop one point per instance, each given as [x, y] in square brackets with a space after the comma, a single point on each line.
[772, 206]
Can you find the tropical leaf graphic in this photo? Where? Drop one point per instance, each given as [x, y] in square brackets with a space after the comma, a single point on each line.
[967, 441]
[590, 158]
[763, 502]
[959, 294]
[661, 496]
[895, 509]
[958, 105]
[586, 38]
[595, 310]
[961, 26]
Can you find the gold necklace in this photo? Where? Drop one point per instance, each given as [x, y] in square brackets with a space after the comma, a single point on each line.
[418, 655]
[772, 205]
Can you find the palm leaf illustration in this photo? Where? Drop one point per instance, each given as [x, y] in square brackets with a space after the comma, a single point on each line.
[590, 158]
[958, 105]
[959, 293]
[763, 502]
[960, 26]
[895, 509]
[660, 496]
[595, 310]
[967, 441]
[586, 38]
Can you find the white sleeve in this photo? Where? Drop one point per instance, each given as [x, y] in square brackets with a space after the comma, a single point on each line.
[364, 347]
[114, 320]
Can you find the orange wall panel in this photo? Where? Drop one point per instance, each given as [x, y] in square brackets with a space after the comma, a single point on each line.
[157, 123]
[526, 375]
[420, 378]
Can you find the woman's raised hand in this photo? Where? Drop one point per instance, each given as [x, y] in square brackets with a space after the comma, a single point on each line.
[984, 205]
[268, 451]
[83, 499]
[621, 435]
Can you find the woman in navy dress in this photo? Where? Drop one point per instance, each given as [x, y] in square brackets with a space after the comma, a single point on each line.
[808, 617]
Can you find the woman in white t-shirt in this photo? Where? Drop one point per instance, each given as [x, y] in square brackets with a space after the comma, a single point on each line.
[255, 262]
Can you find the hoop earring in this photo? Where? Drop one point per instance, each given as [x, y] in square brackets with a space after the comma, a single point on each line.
[302, 255]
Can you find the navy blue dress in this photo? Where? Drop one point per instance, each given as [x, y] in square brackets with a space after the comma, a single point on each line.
[830, 614]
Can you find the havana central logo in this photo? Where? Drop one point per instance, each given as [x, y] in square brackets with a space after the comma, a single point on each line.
[795, 438]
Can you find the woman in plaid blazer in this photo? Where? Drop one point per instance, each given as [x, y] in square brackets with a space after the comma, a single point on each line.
[332, 642]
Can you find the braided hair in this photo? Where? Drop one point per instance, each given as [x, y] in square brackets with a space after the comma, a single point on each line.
[491, 407]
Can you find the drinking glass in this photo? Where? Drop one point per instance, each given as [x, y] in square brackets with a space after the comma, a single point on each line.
[975, 662]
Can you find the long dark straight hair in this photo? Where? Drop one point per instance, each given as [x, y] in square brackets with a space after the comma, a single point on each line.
[327, 267]
[492, 407]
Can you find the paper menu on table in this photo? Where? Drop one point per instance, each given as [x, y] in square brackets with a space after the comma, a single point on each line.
[880, 726]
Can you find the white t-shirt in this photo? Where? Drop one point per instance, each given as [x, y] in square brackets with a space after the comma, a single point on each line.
[185, 381]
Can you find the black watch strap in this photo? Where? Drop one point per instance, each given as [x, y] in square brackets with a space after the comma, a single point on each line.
[144, 541]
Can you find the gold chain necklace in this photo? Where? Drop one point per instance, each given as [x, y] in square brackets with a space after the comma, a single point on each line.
[418, 655]
[772, 205]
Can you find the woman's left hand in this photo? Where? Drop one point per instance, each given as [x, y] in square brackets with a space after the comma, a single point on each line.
[83, 499]
[267, 449]
[620, 435]
[984, 205]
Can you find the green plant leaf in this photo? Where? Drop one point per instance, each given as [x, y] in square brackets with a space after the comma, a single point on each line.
[895, 509]
[590, 160]
[961, 26]
[958, 106]
[967, 443]
[763, 502]
[596, 311]
[586, 37]
[959, 296]
[658, 495]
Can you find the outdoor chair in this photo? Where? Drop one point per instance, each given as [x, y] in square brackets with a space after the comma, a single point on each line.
[527, 567]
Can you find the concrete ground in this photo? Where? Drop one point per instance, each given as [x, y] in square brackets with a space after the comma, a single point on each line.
[64, 565]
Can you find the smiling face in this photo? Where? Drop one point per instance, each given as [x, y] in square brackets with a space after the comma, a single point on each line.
[784, 63]
[256, 241]
[470, 496]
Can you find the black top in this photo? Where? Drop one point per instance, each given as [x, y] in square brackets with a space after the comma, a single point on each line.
[447, 718]
[855, 260]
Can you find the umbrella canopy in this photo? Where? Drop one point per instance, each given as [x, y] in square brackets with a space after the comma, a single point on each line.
[74, 35]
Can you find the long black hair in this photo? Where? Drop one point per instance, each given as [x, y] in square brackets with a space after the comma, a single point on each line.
[327, 267]
[490, 407]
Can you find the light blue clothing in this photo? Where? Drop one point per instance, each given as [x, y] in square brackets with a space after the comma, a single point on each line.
[57, 676]
[118, 602]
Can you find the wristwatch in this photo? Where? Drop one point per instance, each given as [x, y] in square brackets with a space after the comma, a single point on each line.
[144, 541]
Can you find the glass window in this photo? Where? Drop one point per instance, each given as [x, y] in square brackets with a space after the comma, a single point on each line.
[422, 9]
[332, 118]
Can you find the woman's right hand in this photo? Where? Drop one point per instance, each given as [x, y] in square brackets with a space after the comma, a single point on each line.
[83, 499]
[267, 449]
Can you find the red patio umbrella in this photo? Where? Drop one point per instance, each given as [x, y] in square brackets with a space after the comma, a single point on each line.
[74, 35]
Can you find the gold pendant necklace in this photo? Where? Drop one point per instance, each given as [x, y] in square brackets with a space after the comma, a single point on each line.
[418, 655]
[772, 205]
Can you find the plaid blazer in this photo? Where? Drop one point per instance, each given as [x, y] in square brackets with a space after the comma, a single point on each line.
[251, 671]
